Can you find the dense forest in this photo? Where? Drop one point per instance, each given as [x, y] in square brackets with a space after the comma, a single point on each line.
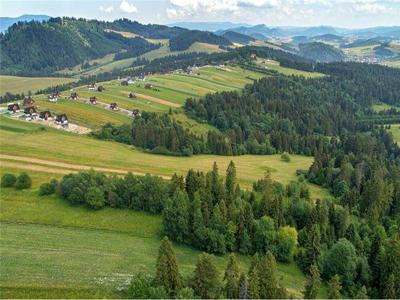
[184, 40]
[321, 52]
[235, 37]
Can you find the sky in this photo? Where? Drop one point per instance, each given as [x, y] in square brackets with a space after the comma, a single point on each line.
[339, 13]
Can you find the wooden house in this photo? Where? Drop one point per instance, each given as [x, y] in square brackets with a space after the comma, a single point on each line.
[13, 107]
[74, 96]
[148, 86]
[93, 100]
[53, 97]
[131, 95]
[100, 88]
[31, 110]
[114, 106]
[44, 115]
[28, 101]
[92, 86]
[136, 113]
[61, 119]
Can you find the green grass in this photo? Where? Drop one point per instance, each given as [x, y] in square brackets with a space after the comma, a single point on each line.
[275, 66]
[383, 106]
[18, 85]
[51, 249]
[395, 130]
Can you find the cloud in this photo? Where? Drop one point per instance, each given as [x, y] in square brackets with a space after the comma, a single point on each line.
[106, 9]
[370, 8]
[126, 7]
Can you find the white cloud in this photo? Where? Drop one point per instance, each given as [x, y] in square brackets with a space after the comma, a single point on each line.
[370, 8]
[127, 7]
[108, 9]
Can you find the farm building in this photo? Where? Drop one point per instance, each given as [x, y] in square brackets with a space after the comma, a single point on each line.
[142, 77]
[100, 88]
[74, 96]
[13, 107]
[114, 106]
[92, 86]
[28, 101]
[93, 100]
[131, 95]
[148, 86]
[53, 97]
[136, 113]
[30, 110]
[44, 115]
[61, 119]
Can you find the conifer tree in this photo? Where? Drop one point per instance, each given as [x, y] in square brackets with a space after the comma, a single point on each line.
[167, 273]
[205, 277]
[334, 288]
[231, 278]
[267, 276]
[243, 287]
[389, 289]
[230, 181]
[176, 217]
[313, 283]
[362, 293]
[313, 246]
[254, 285]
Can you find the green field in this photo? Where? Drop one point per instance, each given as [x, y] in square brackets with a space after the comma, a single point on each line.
[51, 249]
[275, 66]
[18, 85]
[395, 130]
[383, 106]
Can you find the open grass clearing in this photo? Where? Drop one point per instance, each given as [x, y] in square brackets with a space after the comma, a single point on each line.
[275, 66]
[18, 84]
[383, 106]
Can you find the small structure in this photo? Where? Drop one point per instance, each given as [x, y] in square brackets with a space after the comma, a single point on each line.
[92, 86]
[28, 101]
[54, 97]
[74, 96]
[148, 86]
[136, 113]
[100, 88]
[93, 100]
[30, 111]
[45, 115]
[131, 95]
[191, 69]
[114, 106]
[62, 120]
[142, 77]
[13, 107]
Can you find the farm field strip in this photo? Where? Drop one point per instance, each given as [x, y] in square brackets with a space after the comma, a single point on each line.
[18, 84]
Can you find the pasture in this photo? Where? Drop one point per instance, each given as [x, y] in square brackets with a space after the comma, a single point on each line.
[52, 249]
[275, 66]
[395, 130]
[18, 85]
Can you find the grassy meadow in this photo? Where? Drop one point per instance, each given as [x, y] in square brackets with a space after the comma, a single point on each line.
[275, 66]
[18, 85]
[395, 130]
[52, 249]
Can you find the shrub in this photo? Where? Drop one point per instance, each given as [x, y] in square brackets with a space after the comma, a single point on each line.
[48, 188]
[285, 157]
[23, 181]
[95, 198]
[8, 180]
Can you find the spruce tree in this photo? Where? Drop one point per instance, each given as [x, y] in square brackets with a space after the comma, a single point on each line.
[267, 276]
[167, 273]
[254, 285]
[312, 247]
[334, 288]
[243, 287]
[176, 217]
[389, 289]
[313, 283]
[205, 278]
[231, 278]
[362, 293]
[230, 181]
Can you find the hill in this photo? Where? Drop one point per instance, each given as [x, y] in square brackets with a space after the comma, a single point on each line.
[321, 52]
[184, 40]
[6, 22]
[239, 38]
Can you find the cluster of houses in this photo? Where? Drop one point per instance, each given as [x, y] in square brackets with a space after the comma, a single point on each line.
[30, 112]
[132, 80]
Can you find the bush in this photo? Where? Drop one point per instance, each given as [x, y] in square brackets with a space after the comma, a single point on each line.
[48, 188]
[95, 198]
[23, 181]
[8, 180]
[285, 157]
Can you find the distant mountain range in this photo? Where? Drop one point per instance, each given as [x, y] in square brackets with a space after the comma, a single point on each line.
[6, 22]
[261, 30]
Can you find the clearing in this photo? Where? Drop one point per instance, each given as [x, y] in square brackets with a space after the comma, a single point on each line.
[18, 85]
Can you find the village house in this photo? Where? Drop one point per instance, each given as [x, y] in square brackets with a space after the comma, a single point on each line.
[142, 77]
[30, 113]
[114, 106]
[73, 96]
[13, 107]
[136, 113]
[131, 95]
[93, 100]
[62, 120]
[28, 101]
[92, 86]
[53, 97]
[148, 86]
[100, 88]
[45, 115]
